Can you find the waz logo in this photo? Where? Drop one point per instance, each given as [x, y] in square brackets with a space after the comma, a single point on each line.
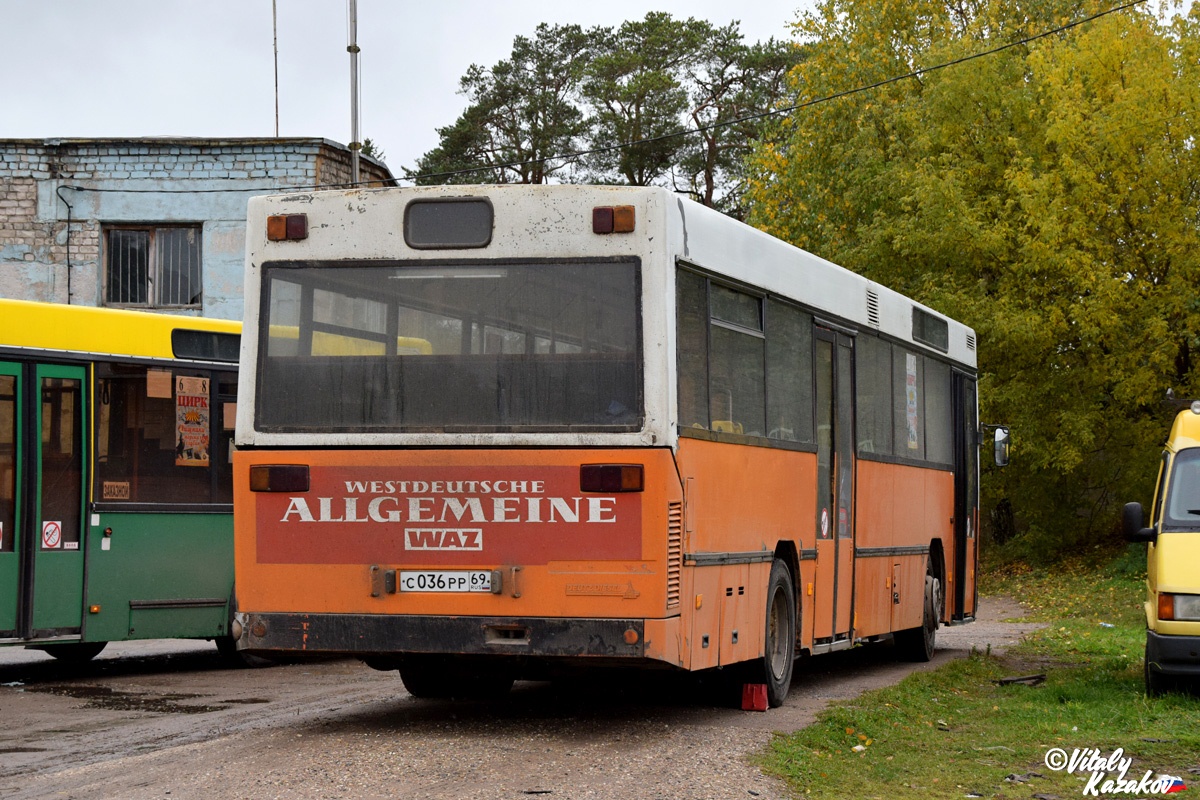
[443, 538]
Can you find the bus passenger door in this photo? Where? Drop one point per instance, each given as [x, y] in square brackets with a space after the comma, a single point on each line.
[833, 606]
[961, 594]
[10, 489]
[42, 424]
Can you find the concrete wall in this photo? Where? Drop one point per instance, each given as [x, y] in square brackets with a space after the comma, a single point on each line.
[205, 182]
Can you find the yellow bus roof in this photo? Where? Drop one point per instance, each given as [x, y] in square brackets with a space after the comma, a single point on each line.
[86, 329]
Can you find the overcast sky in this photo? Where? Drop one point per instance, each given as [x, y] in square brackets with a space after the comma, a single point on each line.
[76, 68]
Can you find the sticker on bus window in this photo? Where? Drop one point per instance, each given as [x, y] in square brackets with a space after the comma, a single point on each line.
[115, 490]
[914, 434]
[191, 422]
[158, 383]
[51, 535]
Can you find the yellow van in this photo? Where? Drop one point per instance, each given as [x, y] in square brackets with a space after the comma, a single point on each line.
[1172, 559]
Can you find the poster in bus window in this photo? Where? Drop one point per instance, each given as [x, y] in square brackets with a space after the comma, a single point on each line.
[191, 422]
[914, 442]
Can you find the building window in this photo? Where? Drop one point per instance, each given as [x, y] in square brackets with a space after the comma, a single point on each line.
[153, 266]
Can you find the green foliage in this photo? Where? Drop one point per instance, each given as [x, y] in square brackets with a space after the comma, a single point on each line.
[372, 149]
[622, 97]
[637, 97]
[956, 732]
[730, 84]
[1102, 586]
[522, 111]
[1046, 195]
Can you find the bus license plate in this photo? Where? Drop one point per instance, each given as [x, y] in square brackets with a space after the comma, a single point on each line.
[446, 581]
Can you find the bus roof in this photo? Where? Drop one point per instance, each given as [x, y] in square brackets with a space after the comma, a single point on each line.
[86, 329]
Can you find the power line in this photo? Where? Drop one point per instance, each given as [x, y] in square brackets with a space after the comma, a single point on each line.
[787, 109]
[668, 136]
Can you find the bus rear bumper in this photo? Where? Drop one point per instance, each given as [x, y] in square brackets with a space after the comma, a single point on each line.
[366, 635]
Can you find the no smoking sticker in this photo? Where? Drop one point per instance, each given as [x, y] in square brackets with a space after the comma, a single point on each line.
[51, 535]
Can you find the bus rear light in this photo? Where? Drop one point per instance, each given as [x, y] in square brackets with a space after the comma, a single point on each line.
[287, 227]
[613, 219]
[611, 478]
[279, 478]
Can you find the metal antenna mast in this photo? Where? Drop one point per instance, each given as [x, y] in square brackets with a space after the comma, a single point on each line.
[352, 48]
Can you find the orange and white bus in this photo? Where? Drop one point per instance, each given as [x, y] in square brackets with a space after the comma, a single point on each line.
[484, 432]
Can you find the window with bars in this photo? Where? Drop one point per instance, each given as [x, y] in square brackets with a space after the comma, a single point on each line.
[152, 266]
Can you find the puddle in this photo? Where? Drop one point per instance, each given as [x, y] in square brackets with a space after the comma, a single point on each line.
[7, 750]
[102, 697]
[245, 701]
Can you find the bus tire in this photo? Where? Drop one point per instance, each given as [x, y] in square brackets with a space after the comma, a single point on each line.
[779, 640]
[438, 680]
[918, 644]
[74, 652]
[227, 648]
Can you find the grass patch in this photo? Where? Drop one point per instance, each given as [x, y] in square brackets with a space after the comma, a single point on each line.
[955, 732]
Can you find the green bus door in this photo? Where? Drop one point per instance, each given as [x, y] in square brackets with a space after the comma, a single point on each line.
[42, 478]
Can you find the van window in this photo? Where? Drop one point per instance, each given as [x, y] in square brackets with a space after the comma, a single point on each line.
[1183, 491]
[1160, 488]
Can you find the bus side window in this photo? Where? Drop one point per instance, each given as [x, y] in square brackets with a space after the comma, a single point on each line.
[692, 301]
[150, 444]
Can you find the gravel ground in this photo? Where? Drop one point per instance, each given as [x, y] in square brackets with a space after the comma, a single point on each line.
[618, 741]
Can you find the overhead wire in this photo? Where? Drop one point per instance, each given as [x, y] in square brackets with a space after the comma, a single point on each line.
[568, 157]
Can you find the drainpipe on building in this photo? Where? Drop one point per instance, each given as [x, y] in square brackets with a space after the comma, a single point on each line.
[69, 208]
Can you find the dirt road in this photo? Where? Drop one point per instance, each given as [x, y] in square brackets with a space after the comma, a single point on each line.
[169, 720]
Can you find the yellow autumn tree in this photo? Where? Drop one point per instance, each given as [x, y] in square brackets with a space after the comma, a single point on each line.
[1047, 194]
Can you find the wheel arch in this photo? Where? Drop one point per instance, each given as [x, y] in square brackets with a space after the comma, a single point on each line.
[937, 558]
[786, 551]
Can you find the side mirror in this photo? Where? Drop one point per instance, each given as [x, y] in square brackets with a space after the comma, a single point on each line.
[1132, 522]
[1003, 442]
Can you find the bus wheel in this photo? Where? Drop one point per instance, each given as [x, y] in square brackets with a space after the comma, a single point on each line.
[779, 643]
[227, 647]
[919, 644]
[441, 680]
[75, 652]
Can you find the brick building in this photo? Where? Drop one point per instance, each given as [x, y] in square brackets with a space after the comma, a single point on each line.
[149, 222]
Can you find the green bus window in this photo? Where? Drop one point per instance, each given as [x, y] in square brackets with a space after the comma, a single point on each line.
[8, 462]
[154, 436]
[61, 457]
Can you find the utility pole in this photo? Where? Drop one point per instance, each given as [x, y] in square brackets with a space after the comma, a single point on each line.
[275, 48]
[352, 48]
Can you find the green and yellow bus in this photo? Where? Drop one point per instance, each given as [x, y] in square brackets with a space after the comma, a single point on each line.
[116, 506]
